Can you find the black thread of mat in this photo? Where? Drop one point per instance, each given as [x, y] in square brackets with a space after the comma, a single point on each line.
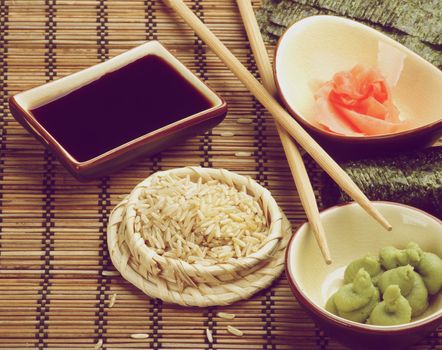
[201, 71]
[151, 25]
[261, 158]
[210, 323]
[260, 143]
[268, 304]
[104, 261]
[206, 146]
[152, 34]
[315, 173]
[156, 305]
[321, 339]
[155, 317]
[4, 11]
[103, 199]
[433, 340]
[43, 303]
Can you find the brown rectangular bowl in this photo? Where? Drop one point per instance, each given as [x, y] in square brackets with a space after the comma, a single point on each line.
[22, 104]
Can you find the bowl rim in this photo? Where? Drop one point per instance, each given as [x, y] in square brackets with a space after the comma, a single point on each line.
[77, 167]
[339, 321]
[328, 134]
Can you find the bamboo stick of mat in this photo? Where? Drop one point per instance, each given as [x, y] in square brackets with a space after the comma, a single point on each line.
[294, 158]
[279, 113]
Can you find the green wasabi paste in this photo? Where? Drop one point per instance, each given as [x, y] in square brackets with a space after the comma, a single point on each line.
[405, 278]
[394, 310]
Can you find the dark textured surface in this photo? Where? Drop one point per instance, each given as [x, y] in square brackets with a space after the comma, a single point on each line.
[422, 19]
[413, 178]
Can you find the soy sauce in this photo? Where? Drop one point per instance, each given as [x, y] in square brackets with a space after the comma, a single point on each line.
[120, 106]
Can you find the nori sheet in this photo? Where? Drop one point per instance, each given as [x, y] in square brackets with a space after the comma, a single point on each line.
[413, 178]
[422, 19]
[276, 15]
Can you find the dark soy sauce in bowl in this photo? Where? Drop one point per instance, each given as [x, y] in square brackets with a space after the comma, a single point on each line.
[120, 106]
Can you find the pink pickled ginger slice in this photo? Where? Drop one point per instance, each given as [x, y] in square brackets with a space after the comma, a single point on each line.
[356, 103]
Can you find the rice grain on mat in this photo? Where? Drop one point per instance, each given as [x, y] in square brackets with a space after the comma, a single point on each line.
[226, 315]
[244, 121]
[209, 335]
[110, 273]
[226, 133]
[139, 336]
[98, 344]
[243, 154]
[234, 331]
[112, 300]
[200, 222]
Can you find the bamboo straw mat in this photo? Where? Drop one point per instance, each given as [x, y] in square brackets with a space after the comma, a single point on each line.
[56, 278]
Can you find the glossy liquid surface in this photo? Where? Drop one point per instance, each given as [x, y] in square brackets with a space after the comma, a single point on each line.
[120, 106]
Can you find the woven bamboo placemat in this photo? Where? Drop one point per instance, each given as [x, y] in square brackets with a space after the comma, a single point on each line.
[56, 278]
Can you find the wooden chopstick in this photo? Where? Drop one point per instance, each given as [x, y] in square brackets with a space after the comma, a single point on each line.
[296, 164]
[279, 113]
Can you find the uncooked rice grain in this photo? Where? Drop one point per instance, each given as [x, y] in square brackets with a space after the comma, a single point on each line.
[110, 273]
[139, 336]
[226, 315]
[112, 300]
[243, 154]
[227, 133]
[244, 121]
[199, 222]
[234, 331]
[98, 344]
[209, 335]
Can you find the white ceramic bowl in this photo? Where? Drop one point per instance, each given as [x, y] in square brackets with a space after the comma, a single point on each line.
[352, 234]
[317, 47]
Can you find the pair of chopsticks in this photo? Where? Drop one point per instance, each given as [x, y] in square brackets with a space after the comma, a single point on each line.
[294, 158]
[286, 125]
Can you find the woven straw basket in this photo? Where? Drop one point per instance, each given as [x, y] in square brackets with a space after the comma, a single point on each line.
[178, 281]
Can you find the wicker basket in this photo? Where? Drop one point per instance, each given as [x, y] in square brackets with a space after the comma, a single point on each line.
[180, 282]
